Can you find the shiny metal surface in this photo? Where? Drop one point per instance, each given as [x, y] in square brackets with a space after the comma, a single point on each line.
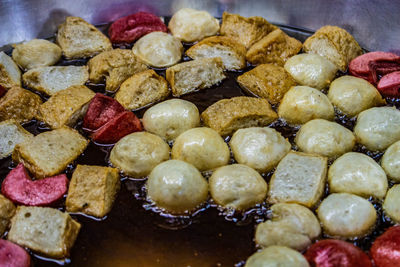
[375, 24]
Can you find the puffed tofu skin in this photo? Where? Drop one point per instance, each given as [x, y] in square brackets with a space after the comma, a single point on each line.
[275, 48]
[19, 104]
[92, 190]
[115, 66]
[267, 81]
[7, 211]
[10, 74]
[299, 178]
[11, 133]
[79, 39]
[49, 153]
[335, 44]
[229, 115]
[66, 106]
[246, 31]
[47, 231]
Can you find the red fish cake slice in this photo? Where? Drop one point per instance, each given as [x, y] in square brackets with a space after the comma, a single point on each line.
[12, 255]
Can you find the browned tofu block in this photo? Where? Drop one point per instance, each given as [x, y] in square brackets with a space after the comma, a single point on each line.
[47, 231]
[335, 44]
[49, 153]
[267, 81]
[229, 115]
[92, 190]
[246, 31]
[10, 74]
[66, 106]
[7, 210]
[19, 104]
[115, 66]
[12, 133]
[275, 48]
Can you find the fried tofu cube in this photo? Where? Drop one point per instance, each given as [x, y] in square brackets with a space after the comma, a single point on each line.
[19, 104]
[66, 106]
[49, 153]
[80, 39]
[10, 74]
[229, 115]
[7, 211]
[12, 133]
[92, 190]
[47, 231]
[299, 178]
[246, 31]
[276, 48]
[267, 81]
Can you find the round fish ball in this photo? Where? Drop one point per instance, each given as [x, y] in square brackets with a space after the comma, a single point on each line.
[158, 49]
[311, 70]
[325, 138]
[259, 147]
[357, 174]
[346, 215]
[391, 161]
[291, 225]
[302, 103]
[276, 256]
[237, 186]
[391, 204]
[138, 153]
[177, 187]
[351, 95]
[203, 147]
[170, 118]
[378, 128]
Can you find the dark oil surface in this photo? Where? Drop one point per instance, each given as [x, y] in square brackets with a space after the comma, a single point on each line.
[135, 233]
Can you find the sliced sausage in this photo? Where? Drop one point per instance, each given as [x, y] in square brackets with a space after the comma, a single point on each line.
[389, 84]
[385, 250]
[12, 255]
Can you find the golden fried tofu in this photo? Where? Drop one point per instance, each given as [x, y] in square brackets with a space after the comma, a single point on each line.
[10, 74]
[49, 153]
[229, 115]
[275, 48]
[92, 190]
[47, 231]
[66, 106]
[335, 44]
[11, 133]
[267, 81]
[19, 104]
[7, 211]
[142, 89]
[79, 39]
[246, 31]
[115, 66]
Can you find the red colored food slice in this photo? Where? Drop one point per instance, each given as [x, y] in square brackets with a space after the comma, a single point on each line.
[3, 91]
[130, 28]
[12, 255]
[389, 84]
[335, 253]
[124, 124]
[20, 189]
[101, 110]
[385, 250]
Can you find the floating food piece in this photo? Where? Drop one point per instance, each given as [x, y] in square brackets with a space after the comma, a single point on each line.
[130, 28]
[290, 225]
[276, 256]
[389, 85]
[12, 255]
[335, 44]
[332, 252]
[259, 147]
[170, 118]
[20, 189]
[190, 25]
[7, 210]
[10, 74]
[267, 81]
[12, 133]
[177, 187]
[390, 161]
[391, 206]
[36, 53]
[385, 250]
[158, 49]
[346, 215]
[302, 104]
[79, 39]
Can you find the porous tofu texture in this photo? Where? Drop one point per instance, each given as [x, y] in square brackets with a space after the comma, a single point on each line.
[49, 153]
[10, 74]
[47, 231]
[92, 190]
[7, 210]
[299, 178]
[11, 134]
[66, 106]
[19, 104]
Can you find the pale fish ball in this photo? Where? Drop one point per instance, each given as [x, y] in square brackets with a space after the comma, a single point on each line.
[391, 161]
[391, 205]
[274, 256]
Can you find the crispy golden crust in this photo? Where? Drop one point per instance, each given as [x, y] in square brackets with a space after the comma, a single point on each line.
[229, 115]
[10, 74]
[267, 81]
[7, 211]
[275, 48]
